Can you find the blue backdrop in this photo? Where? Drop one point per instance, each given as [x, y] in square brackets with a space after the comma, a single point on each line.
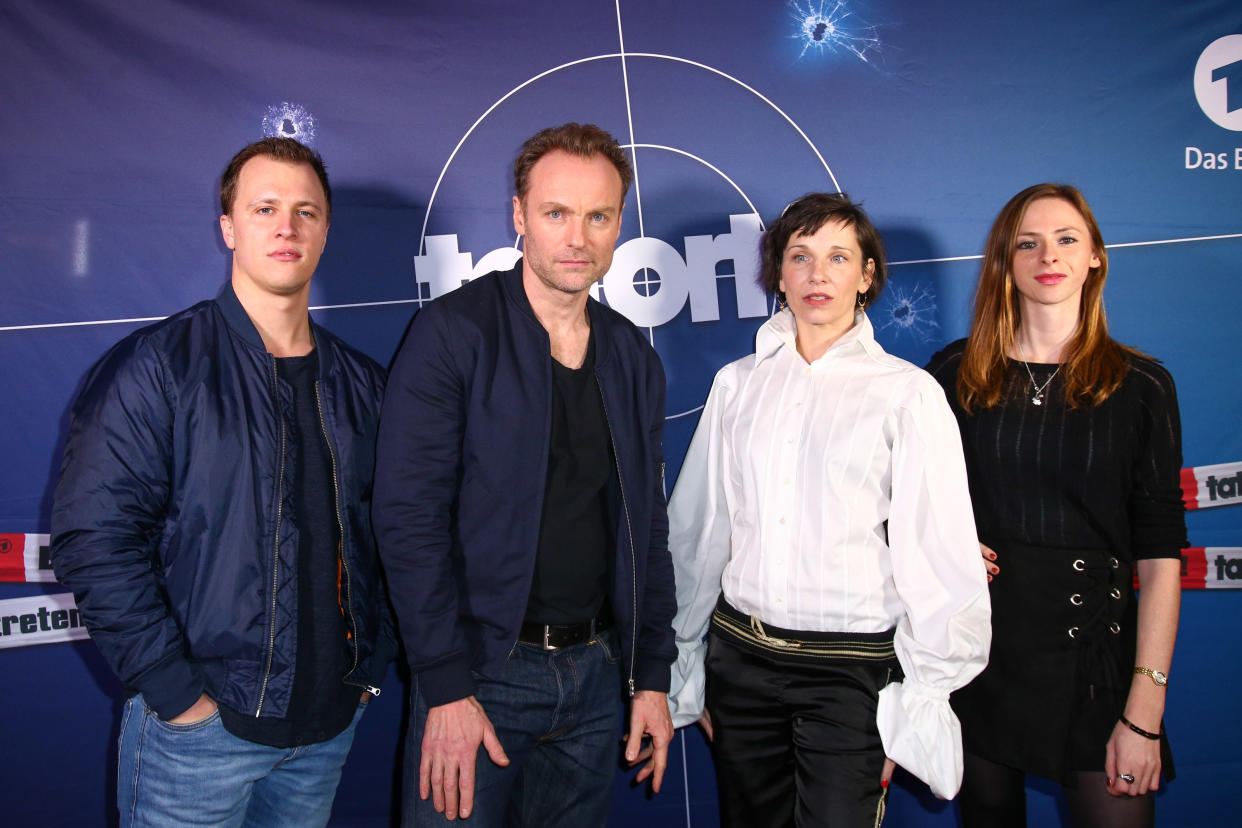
[118, 117]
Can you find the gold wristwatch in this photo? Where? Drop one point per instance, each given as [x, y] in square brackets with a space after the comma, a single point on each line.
[1161, 679]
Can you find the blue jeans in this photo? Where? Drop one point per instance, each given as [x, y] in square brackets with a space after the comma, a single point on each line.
[200, 774]
[557, 714]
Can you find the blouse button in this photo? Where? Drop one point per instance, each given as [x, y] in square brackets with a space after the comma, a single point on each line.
[1080, 564]
[1114, 628]
[1076, 599]
[1072, 632]
[782, 521]
[1115, 594]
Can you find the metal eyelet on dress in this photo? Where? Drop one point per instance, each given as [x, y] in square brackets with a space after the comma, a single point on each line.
[1114, 628]
[1115, 594]
[1080, 564]
[1076, 599]
[1072, 632]
[1114, 563]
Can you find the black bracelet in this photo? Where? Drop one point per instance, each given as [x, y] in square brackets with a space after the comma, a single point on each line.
[1145, 733]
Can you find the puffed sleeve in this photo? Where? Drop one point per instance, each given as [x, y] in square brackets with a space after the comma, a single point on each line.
[942, 641]
[698, 539]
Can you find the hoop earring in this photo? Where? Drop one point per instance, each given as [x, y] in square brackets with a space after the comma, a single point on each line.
[781, 304]
[862, 301]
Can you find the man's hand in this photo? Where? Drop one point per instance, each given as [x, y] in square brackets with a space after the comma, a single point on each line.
[450, 747]
[198, 711]
[649, 715]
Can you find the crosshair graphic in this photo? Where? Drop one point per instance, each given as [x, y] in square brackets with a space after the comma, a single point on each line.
[646, 282]
[632, 145]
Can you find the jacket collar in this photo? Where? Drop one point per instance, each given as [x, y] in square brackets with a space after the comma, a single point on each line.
[515, 292]
[781, 331]
[237, 317]
[241, 324]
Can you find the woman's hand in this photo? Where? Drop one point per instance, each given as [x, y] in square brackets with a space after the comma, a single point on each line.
[989, 561]
[705, 722]
[886, 775]
[1130, 754]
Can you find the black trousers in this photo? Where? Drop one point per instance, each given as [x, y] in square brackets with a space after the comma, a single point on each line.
[795, 744]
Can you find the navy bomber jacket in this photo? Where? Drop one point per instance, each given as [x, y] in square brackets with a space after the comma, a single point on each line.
[171, 520]
[459, 484]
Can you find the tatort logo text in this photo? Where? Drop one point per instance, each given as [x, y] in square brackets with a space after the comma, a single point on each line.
[1228, 568]
[1223, 488]
[649, 281]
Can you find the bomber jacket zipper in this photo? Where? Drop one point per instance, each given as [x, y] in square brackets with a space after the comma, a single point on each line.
[280, 487]
[340, 527]
[625, 506]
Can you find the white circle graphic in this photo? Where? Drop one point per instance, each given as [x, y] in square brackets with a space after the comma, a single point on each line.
[618, 56]
[1218, 82]
[649, 281]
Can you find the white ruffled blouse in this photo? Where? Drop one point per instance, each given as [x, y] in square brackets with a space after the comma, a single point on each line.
[781, 504]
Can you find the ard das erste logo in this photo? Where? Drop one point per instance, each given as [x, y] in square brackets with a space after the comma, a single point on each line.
[1218, 89]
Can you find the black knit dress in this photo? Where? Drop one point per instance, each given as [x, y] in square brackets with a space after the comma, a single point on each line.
[1070, 499]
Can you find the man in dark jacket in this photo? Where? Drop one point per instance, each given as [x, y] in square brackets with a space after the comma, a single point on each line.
[213, 521]
[520, 511]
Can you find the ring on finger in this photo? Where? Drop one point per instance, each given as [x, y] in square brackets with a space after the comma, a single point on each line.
[1126, 777]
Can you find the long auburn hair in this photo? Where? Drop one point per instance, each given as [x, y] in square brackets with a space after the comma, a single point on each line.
[1093, 364]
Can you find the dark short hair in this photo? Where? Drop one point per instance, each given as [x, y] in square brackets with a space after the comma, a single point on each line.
[804, 217]
[279, 149]
[582, 140]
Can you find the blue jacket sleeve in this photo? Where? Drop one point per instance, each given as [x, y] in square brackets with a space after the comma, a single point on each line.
[387, 643]
[417, 477]
[107, 516]
[657, 648]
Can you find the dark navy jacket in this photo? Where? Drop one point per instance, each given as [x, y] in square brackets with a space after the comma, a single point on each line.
[173, 518]
[459, 484]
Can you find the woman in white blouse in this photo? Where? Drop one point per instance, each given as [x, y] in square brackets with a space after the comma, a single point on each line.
[822, 527]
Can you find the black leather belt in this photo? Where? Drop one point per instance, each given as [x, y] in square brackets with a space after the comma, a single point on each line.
[556, 636]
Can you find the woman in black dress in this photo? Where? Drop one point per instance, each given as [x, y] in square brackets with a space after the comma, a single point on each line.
[1073, 449]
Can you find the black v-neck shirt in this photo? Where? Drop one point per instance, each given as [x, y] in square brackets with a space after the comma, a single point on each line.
[572, 562]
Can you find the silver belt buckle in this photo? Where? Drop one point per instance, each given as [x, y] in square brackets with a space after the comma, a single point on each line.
[546, 627]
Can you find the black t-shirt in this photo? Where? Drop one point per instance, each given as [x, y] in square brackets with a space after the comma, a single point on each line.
[321, 705]
[572, 564]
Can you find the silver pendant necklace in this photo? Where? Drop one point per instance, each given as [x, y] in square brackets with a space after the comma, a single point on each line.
[1037, 398]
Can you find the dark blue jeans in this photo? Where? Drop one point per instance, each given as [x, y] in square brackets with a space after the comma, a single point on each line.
[557, 714]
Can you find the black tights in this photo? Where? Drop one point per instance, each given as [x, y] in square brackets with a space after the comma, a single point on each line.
[995, 795]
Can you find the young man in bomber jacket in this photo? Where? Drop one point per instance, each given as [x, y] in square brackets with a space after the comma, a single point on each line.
[213, 521]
